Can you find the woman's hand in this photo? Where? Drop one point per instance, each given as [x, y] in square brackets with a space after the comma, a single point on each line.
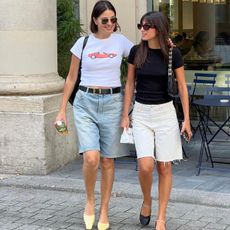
[186, 130]
[61, 117]
[125, 122]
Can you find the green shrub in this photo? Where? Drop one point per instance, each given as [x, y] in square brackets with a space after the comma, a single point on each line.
[124, 70]
[68, 31]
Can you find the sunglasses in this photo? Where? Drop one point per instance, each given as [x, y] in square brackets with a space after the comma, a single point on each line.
[104, 21]
[145, 26]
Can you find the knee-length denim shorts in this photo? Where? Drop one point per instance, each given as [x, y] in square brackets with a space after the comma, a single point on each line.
[156, 132]
[97, 120]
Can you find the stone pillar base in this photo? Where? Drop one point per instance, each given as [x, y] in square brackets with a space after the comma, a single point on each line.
[36, 84]
[29, 143]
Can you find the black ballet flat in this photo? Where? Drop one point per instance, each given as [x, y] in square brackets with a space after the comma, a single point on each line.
[144, 220]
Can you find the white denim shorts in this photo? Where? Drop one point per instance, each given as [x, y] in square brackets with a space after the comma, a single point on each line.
[156, 132]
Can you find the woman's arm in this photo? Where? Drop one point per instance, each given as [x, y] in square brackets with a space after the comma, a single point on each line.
[183, 91]
[129, 90]
[68, 87]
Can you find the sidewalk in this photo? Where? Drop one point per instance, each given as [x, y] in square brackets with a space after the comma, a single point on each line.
[211, 187]
[56, 201]
[30, 209]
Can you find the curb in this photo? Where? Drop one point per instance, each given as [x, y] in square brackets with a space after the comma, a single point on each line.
[198, 197]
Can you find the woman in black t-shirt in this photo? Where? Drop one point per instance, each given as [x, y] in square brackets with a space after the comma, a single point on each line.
[155, 126]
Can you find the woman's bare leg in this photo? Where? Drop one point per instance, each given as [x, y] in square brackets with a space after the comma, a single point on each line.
[164, 188]
[90, 167]
[107, 178]
[145, 166]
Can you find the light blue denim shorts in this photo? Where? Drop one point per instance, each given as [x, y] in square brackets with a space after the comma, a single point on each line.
[97, 120]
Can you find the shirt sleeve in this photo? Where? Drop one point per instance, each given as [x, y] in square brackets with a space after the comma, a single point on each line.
[127, 45]
[132, 55]
[77, 47]
[177, 59]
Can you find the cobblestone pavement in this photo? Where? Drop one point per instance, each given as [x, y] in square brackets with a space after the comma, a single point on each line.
[30, 209]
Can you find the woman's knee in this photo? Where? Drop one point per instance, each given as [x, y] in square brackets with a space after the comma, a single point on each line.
[164, 168]
[91, 160]
[145, 165]
[107, 163]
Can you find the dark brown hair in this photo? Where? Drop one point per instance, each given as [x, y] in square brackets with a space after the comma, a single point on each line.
[98, 9]
[160, 21]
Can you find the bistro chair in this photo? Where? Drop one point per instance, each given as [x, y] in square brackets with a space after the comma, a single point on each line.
[219, 93]
[201, 81]
[227, 81]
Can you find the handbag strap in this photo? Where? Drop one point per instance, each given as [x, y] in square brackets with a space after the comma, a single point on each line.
[83, 47]
[170, 62]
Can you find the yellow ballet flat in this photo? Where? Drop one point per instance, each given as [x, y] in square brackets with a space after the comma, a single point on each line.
[102, 226]
[89, 221]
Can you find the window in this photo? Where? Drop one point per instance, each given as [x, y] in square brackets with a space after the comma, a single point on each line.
[201, 30]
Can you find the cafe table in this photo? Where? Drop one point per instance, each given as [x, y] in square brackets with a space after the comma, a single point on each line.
[202, 106]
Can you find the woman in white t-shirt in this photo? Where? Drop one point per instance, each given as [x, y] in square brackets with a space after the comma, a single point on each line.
[98, 105]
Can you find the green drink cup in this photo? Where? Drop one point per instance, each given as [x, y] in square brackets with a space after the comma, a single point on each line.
[61, 127]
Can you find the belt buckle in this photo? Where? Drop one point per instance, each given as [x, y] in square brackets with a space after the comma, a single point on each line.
[96, 91]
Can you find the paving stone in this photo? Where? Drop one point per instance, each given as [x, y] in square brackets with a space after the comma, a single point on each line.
[41, 216]
[9, 219]
[210, 219]
[10, 226]
[216, 226]
[28, 227]
[192, 216]
[60, 225]
[76, 227]
[30, 209]
[54, 207]
[225, 220]
[45, 228]
[44, 223]
[194, 225]
[56, 218]
[25, 220]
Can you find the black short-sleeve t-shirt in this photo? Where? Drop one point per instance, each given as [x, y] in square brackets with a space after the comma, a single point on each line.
[152, 77]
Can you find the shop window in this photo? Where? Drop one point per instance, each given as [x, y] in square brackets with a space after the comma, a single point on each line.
[201, 30]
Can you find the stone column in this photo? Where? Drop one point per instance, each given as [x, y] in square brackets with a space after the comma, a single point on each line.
[30, 89]
[204, 19]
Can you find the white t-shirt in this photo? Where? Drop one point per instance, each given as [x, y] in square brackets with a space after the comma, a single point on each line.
[101, 59]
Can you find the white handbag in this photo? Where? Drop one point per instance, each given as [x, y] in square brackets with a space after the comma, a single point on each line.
[127, 136]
